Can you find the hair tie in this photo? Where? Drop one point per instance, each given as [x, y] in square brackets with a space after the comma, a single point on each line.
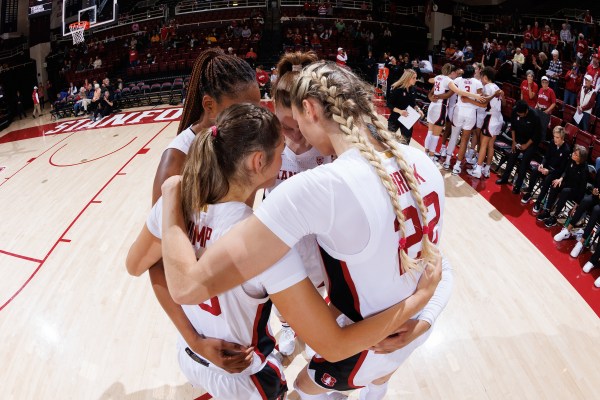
[214, 131]
[426, 230]
[297, 67]
[402, 243]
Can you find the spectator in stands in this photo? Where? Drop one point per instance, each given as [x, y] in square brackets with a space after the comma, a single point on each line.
[341, 57]
[546, 39]
[529, 90]
[340, 26]
[593, 70]
[546, 103]
[19, 105]
[517, 61]
[536, 35]
[553, 40]
[573, 81]
[36, 102]
[401, 97]
[566, 37]
[586, 100]
[582, 48]
[251, 56]
[458, 56]
[569, 187]
[528, 38]
[371, 68]
[72, 91]
[550, 168]
[80, 67]
[395, 73]
[133, 57]
[468, 55]
[315, 42]
[554, 71]
[450, 50]
[590, 204]
[230, 51]
[155, 38]
[97, 62]
[540, 64]
[211, 38]
[79, 102]
[104, 107]
[262, 77]
[525, 132]
[246, 32]
[97, 94]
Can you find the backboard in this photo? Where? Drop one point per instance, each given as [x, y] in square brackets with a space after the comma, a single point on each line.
[97, 12]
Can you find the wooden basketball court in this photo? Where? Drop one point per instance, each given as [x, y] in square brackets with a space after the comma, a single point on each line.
[75, 325]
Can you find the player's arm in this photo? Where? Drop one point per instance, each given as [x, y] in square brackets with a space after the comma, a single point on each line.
[248, 249]
[445, 95]
[315, 323]
[171, 163]
[459, 92]
[143, 253]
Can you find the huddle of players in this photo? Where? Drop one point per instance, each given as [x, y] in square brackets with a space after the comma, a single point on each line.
[225, 151]
[478, 116]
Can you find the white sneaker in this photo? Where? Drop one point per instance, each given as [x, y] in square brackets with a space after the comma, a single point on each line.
[597, 282]
[287, 341]
[443, 151]
[562, 235]
[475, 172]
[588, 267]
[486, 171]
[577, 250]
[457, 169]
[446, 164]
[473, 160]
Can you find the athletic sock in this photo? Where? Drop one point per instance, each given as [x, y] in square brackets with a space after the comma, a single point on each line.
[433, 142]
[427, 139]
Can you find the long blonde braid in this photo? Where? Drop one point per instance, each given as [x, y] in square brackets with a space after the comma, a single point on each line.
[321, 80]
[429, 251]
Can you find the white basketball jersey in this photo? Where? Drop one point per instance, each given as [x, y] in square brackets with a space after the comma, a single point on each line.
[440, 86]
[364, 278]
[183, 141]
[470, 85]
[292, 164]
[240, 315]
[495, 105]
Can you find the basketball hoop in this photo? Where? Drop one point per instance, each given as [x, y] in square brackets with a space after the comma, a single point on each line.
[77, 29]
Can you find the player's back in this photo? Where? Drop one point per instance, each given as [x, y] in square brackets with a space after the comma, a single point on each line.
[369, 281]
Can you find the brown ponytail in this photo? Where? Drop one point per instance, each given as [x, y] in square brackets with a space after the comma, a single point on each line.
[215, 74]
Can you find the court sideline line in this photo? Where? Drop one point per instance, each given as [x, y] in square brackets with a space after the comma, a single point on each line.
[92, 201]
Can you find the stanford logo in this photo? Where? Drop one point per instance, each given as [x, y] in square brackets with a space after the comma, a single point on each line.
[320, 160]
[328, 380]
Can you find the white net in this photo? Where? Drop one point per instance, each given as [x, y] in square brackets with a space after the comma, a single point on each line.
[77, 33]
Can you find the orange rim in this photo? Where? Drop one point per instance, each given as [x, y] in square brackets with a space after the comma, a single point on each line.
[80, 24]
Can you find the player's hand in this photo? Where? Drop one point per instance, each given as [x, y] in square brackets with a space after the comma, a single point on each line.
[595, 191]
[431, 276]
[404, 113]
[412, 329]
[231, 357]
